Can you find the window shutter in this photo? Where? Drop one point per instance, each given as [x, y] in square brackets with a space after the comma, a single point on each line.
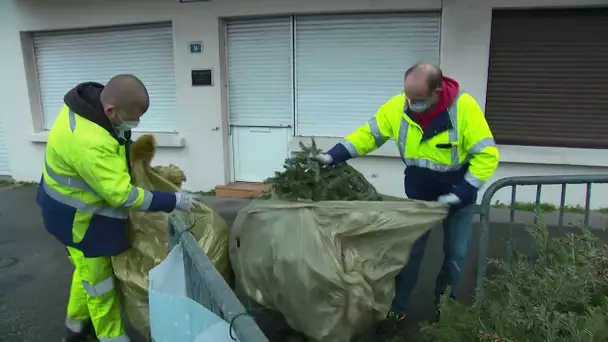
[67, 58]
[348, 65]
[260, 72]
[548, 77]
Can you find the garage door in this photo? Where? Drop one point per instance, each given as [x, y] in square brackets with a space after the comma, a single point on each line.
[348, 65]
[260, 95]
[548, 77]
[66, 58]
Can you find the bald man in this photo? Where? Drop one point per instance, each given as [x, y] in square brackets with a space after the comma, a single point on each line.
[86, 194]
[449, 152]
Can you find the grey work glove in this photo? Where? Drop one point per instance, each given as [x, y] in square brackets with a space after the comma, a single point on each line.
[184, 202]
[323, 158]
[449, 199]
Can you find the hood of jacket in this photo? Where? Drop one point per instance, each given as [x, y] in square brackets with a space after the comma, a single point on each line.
[84, 100]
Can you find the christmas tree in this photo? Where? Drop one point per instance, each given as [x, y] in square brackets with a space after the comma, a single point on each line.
[559, 295]
[304, 178]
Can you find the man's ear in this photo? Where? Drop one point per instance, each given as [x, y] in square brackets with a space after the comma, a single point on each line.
[437, 92]
[109, 111]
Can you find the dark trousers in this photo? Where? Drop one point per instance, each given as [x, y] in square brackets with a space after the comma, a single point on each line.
[456, 236]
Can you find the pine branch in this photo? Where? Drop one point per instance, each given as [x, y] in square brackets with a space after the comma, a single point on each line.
[304, 178]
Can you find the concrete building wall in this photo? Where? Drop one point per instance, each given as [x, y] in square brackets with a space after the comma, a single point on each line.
[201, 149]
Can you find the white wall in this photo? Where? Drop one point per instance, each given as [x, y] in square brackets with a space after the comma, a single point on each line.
[205, 155]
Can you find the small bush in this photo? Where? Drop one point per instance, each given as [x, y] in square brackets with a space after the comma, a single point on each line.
[560, 295]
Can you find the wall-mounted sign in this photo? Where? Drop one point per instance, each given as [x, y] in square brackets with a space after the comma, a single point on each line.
[202, 77]
[196, 47]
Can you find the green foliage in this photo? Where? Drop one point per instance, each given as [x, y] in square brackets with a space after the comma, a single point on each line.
[304, 178]
[10, 181]
[544, 207]
[561, 295]
[531, 206]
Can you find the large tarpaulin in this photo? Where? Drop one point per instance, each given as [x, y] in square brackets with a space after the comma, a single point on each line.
[328, 267]
[148, 234]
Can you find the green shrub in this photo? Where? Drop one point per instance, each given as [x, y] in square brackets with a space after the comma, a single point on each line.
[559, 295]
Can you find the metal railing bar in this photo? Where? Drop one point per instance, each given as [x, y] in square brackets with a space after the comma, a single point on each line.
[511, 221]
[539, 189]
[587, 204]
[562, 205]
[486, 203]
[244, 326]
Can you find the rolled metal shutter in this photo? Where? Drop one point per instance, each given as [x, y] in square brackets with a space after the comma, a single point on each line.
[548, 78]
[348, 65]
[66, 58]
[260, 90]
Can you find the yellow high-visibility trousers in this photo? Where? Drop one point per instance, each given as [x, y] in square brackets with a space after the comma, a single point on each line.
[93, 297]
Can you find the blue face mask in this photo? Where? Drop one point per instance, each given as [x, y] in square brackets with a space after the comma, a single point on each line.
[125, 126]
[419, 107]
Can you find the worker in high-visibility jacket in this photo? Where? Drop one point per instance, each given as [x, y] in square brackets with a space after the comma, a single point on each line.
[449, 152]
[86, 194]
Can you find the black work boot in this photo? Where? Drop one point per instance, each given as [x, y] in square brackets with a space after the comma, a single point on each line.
[86, 335]
[392, 326]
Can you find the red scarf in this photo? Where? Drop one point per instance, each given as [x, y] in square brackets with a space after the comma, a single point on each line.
[447, 95]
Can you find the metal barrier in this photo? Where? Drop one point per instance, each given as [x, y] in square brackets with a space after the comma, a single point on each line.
[513, 182]
[205, 285]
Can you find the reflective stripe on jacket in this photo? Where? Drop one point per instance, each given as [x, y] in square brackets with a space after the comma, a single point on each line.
[457, 152]
[86, 192]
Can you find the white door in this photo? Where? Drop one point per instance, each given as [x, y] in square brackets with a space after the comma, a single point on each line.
[260, 95]
[5, 169]
[66, 58]
[348, 65]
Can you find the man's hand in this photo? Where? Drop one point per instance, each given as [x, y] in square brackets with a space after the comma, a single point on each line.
[184, 202]
[323, 158]
[449, 199]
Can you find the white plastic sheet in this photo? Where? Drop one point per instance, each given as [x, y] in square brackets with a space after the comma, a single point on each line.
[173, 316]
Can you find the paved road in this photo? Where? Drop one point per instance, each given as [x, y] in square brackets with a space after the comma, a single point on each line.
[35, 272]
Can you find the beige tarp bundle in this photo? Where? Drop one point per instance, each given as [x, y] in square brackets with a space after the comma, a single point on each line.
[328, 267]
[147, 232]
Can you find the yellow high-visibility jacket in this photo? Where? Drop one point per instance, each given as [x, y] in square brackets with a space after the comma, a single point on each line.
[456, 154]
[86, 192]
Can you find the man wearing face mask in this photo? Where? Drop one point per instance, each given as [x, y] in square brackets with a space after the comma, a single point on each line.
[86, 195]
[449, 152]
